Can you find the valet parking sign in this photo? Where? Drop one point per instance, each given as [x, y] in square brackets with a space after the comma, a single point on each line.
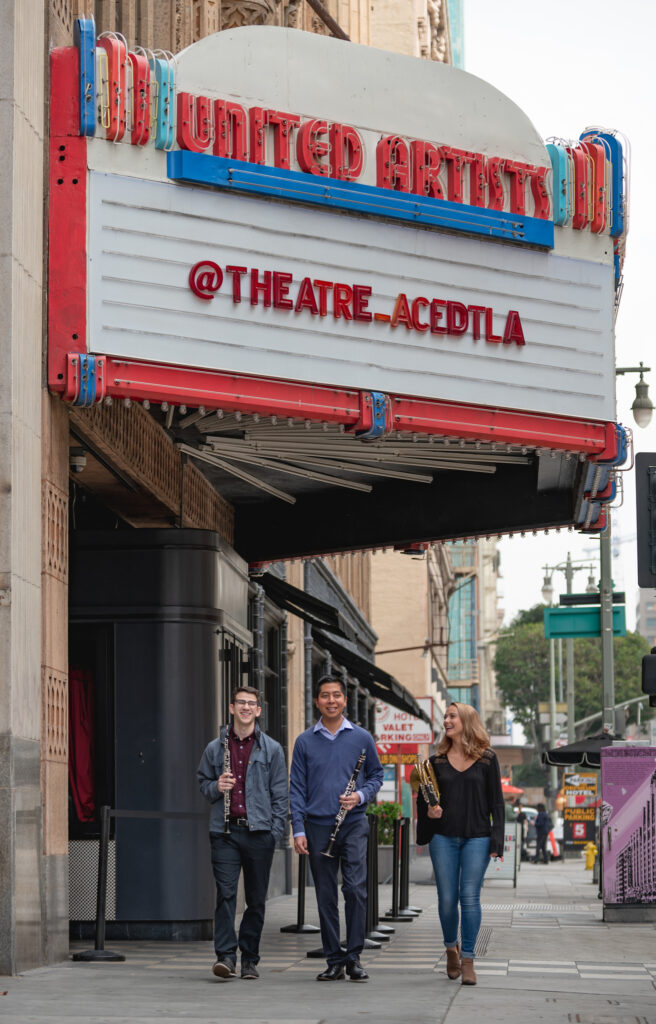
[393, 726]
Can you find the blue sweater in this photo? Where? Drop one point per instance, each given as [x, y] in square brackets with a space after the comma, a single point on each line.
[321, 769]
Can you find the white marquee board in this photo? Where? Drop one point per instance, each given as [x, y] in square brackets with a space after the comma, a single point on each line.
[144, 237]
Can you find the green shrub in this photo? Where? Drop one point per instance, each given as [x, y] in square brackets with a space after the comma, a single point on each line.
[387, 812]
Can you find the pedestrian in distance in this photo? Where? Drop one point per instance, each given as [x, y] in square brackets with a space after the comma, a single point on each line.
[543, 826]
[463, 831]
[243, 775]
[323, 780]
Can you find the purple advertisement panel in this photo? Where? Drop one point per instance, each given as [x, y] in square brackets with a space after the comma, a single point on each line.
[628, 825]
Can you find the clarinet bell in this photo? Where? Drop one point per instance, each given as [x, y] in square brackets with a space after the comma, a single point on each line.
[328, 852]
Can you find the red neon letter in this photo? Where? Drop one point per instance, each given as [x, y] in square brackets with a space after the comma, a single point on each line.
[513, 331]
[489, 328]
[426, 163]
[457, 318]
[283, 127]
[361, 295]
[281, 283]
[517, 173]
[230, 130]
[476, 320]
[342, 299]
[495, 196]
[305, 298]
[260, 286]
[322, 287]
[401, 314]
[140, 99]
[436, 315]
[393, 164]
[236, 273]
[193, 122]
[418, 324]
[346, 152]
[310, 149]
[257, 117]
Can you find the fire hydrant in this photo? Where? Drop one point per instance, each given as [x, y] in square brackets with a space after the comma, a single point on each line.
[590, 851]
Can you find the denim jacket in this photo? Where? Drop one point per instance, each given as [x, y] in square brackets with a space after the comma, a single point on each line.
[266, 784]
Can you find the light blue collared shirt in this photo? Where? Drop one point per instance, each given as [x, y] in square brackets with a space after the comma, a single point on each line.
[320, 727]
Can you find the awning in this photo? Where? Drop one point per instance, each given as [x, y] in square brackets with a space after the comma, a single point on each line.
[586, 753]
[379, 683]
[315, 611]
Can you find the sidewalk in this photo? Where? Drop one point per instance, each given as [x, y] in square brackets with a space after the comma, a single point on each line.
[545, 956]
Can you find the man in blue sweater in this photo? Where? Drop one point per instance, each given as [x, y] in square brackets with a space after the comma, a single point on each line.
[324, 759]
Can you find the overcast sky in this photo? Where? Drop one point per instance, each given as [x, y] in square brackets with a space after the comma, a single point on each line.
[571, 64]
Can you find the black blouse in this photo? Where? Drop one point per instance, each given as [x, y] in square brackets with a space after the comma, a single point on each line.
[472, 802]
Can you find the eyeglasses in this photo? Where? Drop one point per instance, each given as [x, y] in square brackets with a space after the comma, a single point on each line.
[246, 703]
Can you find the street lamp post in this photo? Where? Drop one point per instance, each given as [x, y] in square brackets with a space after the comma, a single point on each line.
[642, 410]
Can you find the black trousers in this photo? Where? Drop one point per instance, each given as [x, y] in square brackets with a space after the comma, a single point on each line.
[350, 852]
[251, 852]
[541, 847]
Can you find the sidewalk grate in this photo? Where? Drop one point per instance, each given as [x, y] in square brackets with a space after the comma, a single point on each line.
[554, 908]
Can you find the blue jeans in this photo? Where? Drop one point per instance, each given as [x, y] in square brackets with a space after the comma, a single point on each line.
[459, 866]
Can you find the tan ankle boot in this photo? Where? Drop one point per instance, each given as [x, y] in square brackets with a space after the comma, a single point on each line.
[468, 972]
[453, 962]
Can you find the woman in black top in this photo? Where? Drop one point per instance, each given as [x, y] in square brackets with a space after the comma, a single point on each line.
[464, 831]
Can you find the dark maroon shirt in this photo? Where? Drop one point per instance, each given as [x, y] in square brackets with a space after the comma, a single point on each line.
[240, 754]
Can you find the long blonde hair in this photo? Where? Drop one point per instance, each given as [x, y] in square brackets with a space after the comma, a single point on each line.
[475, 738]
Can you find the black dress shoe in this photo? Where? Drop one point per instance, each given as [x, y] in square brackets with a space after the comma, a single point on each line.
[356, 971]
[333, 972]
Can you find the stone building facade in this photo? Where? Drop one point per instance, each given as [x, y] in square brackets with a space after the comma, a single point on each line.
[133, 471]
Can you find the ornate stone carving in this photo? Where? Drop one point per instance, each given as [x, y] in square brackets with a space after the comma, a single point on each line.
[292, 13]
[235, 13]
[54, 704]
[439, 36]
[54, 507]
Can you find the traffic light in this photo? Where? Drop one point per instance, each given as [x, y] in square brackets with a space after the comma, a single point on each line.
[645, 475]
[649, 676]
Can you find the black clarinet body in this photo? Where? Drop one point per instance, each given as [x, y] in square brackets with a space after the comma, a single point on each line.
[342, 812]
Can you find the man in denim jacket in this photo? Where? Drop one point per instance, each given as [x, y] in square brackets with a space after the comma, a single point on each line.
[256, 787]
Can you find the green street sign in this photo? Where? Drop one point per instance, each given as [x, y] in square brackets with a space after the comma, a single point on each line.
[562, 623]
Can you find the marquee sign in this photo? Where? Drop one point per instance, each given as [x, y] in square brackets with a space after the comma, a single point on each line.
[231, 228]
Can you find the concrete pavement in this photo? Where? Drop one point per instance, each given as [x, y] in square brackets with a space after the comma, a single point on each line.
[546, 956]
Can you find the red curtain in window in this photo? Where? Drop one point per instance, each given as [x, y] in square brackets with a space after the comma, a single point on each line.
[80, 751]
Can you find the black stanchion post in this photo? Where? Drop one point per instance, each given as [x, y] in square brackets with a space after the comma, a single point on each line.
[384, 929]
[405, 907]
[373, 934]
[395, 914]
[301, 928]
[99, 953]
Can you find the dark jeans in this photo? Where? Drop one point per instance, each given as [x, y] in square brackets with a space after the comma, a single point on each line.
[350, 853]
[252, 852]
[541, 846]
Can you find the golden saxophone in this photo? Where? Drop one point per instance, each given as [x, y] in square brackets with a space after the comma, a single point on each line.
[423, 778]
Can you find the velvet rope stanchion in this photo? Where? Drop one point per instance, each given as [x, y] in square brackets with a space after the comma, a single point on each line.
[395, 913]
[301, 928]
[405, 907]
[99, 953]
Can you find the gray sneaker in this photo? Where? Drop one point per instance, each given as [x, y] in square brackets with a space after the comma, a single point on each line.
[249, 970]
[224, 969]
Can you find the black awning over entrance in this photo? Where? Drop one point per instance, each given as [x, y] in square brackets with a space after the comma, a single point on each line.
[380, 684]
[586, 753]
[315, 611]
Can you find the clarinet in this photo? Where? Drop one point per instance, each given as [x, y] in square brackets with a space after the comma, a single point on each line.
[342, 812]
[226, 795]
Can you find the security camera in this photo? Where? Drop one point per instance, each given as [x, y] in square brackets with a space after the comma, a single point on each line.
[77, 459]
